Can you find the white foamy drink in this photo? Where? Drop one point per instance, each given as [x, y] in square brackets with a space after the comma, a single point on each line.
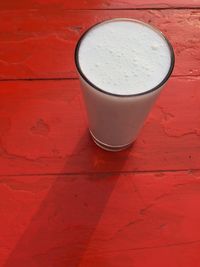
[124, 57]
[122, 65]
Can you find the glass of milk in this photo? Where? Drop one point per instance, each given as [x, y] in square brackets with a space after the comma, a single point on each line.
[123, 65]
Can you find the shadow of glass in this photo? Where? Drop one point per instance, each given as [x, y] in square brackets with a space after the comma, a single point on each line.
[60, 231]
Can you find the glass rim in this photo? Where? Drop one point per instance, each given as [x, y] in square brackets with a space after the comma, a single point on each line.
[158, 86]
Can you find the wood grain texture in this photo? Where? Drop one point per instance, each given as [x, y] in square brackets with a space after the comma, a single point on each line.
[100, 220]
[43, 129]
[96, 4]
[40, 43]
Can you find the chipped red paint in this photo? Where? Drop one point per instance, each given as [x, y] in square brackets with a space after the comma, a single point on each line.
[49, 38]
[64, 202]
[43, 130]
[96, 4]
[100, 220]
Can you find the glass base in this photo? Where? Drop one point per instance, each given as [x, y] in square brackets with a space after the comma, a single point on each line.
[109, 147]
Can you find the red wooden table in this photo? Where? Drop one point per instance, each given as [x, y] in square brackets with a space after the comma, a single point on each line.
[65, 202]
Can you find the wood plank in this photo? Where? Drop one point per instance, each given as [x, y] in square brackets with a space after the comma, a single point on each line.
[96, 4]
[40, 44]
[164, 234]
[100, 220]
[43, 129]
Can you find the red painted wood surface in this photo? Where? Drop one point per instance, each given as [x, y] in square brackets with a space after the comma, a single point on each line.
[146, 219]
[40, 44]
[43, 130]
[65, 202]
[96, 4]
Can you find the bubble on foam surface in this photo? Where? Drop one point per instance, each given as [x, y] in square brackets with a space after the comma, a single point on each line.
[154, 47]
[124, 57]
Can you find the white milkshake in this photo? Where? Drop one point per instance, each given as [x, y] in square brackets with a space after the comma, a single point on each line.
[123, 65]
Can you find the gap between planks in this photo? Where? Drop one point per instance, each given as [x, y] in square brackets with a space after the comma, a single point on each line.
[99, 173]
[167, 7]
[136, 8]
[75, 79]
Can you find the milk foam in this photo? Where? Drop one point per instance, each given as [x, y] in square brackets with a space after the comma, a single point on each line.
[124, 57]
